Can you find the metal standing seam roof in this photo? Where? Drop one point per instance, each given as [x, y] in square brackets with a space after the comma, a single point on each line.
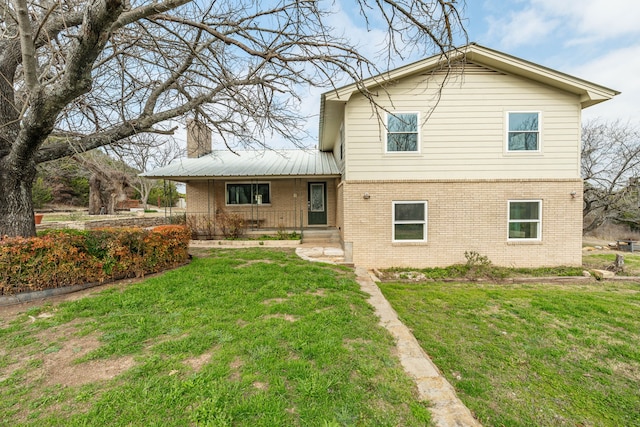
[249, 164]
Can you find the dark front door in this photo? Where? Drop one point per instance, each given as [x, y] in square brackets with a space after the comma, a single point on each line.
[317, 203]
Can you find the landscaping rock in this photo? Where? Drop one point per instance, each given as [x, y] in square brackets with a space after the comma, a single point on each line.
[603, 274]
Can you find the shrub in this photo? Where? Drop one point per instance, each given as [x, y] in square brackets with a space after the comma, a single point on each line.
[201, 225]
[70, 257]
[232, 225]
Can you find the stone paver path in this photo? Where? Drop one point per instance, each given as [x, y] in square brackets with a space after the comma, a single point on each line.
[446, 409]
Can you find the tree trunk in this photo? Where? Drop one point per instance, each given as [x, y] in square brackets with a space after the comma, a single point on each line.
[97, 205]
[16, 206]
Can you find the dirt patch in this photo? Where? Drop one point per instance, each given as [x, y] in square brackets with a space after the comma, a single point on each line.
[287, 317]
[9, 312]
[235, 366]
[274, 301]
[353, 344]
[60, 369]
[260, 385]
[631, 371]
[60, 349]
[255, 261]
[196, 363]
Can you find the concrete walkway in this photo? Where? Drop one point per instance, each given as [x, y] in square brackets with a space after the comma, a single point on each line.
[446, 409]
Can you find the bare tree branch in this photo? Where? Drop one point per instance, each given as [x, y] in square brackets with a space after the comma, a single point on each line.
[610, 166]
[76, 75]
[26, 45]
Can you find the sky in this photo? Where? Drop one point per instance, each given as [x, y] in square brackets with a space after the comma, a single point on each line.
[596, 40]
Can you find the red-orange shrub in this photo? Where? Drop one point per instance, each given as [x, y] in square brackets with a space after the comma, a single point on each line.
[69, 257]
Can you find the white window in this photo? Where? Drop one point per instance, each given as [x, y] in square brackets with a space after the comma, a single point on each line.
[402, 133]
[242, 193]
[523, 132]
[525, 219]
[410, 221]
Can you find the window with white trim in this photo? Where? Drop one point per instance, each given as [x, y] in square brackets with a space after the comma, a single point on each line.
[410, 221]
[241, 193]
[525, 220]
[523, 132]
[402, 133]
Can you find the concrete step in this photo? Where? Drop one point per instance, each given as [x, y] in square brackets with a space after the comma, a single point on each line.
[306, 239]
[331, 236]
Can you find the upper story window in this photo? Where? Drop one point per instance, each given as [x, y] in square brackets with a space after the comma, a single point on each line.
[525, 219]
[248, 193]
[410, 221]
[524, 131]
[402, 132]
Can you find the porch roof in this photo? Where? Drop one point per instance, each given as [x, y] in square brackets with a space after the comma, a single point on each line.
[245, 164]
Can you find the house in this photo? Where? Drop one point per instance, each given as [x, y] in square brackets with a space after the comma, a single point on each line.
[480, 156]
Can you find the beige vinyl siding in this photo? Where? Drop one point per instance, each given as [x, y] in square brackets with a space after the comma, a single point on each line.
[464, 136]
[336, 153]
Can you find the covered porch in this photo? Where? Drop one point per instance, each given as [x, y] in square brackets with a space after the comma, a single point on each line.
[216, 207]
[271, 192]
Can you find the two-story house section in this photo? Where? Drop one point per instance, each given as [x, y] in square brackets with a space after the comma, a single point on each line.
[473, 151]
[483, 157]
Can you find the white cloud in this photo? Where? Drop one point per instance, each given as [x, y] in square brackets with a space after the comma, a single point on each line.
[570, 22]
[617, 70]
[520, 28]
[594, 18]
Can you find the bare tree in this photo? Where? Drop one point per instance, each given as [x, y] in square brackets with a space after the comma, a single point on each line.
[76, 75]
[142, 153]
[611, 170]
[107, 182]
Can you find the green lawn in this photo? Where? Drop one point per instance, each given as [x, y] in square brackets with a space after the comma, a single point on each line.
[260, 337]
[603, 260]
[251, 337]
[532, 355]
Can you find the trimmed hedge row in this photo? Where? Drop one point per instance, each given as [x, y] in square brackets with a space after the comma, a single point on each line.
[60, 258]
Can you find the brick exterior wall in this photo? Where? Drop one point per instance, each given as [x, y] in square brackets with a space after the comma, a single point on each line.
[463, 216]
[288, 199]
[340, 210]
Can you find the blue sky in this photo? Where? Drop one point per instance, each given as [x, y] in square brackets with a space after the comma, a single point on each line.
[597, 40]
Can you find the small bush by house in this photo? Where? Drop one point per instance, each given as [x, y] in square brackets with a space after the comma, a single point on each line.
[70, 257]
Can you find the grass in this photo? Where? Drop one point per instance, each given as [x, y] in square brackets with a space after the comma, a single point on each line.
[280, 235]
[532, 355]
[71, 216]
[479, 267]
[602, 260]
[249, 337]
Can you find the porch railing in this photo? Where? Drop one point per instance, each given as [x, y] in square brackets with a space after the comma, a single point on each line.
[211, 225]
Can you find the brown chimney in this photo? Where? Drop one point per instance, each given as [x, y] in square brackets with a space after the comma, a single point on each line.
[198, 139]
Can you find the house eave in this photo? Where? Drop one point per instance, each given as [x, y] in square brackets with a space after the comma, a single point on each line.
[332, 102]
[249, 165]
[185, 178]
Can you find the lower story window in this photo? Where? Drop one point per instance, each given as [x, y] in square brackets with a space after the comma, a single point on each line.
[410, 221]
[525, 219]
[247, 193]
